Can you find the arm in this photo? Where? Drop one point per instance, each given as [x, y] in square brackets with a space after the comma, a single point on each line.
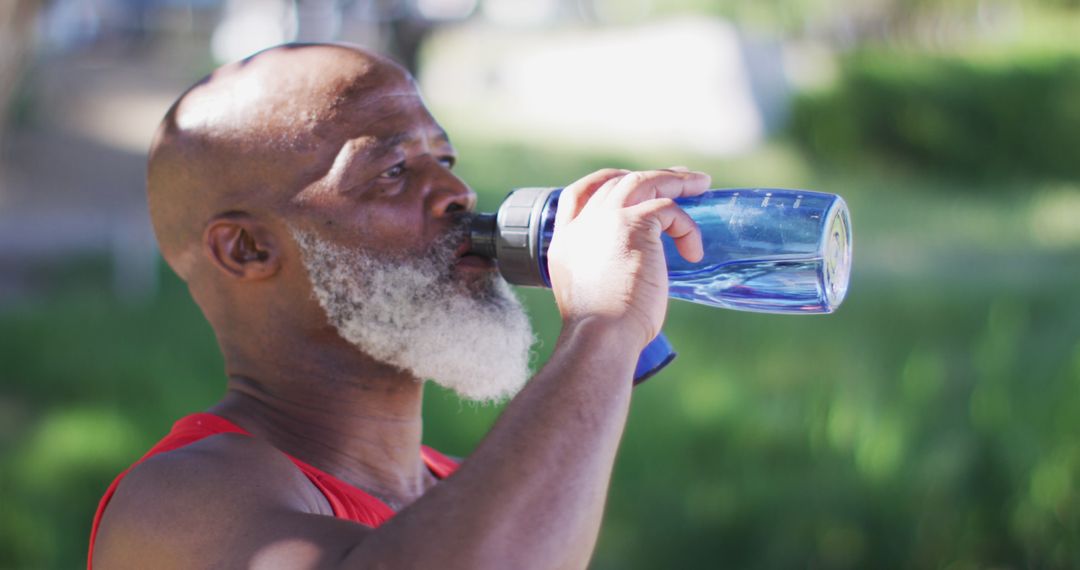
[530, 496]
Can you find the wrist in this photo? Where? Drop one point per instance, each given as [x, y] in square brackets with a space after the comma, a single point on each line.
[606, 333]
[604, 348]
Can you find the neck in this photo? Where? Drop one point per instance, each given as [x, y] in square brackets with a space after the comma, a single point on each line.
[341, 412]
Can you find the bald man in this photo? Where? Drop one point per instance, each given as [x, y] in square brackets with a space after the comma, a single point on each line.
[305, 195]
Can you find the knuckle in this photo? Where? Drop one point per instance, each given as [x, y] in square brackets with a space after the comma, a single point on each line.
[657, 206]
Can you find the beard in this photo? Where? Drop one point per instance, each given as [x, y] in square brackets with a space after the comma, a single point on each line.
[414, 313]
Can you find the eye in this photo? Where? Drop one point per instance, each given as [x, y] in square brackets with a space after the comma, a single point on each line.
[394, 171]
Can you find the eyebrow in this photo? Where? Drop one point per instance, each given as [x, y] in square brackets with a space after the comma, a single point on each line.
[375, 150]
[369, 149]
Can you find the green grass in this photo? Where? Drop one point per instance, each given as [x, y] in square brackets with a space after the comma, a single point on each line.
[929, 423]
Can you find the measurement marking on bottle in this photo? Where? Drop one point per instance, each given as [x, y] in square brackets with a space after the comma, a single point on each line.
[798, 200]
[765, 202]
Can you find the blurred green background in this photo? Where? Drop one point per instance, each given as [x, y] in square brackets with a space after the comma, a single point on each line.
[933, 422]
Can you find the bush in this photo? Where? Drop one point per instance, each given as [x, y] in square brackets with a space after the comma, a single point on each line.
[949, 114]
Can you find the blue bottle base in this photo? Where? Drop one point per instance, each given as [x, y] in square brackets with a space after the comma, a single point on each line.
[656, 355]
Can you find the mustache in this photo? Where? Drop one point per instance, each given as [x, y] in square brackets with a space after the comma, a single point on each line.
[461, 224]
[456, 234]
[444, 250]
[439, 255]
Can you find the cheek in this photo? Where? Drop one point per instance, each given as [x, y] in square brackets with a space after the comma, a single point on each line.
[375, 222]
[385, 228]
[294, 302]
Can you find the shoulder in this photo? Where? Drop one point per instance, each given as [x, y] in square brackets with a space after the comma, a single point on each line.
[195, 498]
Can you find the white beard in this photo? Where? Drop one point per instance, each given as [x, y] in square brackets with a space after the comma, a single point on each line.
[413, 313]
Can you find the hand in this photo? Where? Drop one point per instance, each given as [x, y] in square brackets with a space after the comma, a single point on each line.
[606, 259]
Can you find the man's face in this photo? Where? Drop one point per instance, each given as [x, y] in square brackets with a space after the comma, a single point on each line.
[387, 184]
[382, 235]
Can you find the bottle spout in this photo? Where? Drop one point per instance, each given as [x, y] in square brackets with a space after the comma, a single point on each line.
[515, 237]
[482, 231]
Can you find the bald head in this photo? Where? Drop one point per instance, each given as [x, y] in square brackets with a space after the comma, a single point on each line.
[306, 196]
[247, 138]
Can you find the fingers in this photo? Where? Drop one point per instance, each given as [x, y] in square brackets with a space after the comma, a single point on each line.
[637, 187]
[601, 194]
[676, 223]
[575, 196]
[649, 193]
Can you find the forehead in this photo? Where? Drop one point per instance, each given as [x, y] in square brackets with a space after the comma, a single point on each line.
[284, 96]
[380, 111]
[366, 129]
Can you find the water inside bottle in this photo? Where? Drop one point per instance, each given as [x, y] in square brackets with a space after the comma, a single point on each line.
[766, 250]
[763, 285]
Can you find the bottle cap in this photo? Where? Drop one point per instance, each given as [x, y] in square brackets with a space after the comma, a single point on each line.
[517, 236]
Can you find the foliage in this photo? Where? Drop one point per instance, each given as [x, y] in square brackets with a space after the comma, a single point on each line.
[848, 22]
[929, 423]
[962, 116]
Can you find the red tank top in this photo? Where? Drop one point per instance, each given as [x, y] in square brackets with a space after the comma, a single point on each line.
[347, 502]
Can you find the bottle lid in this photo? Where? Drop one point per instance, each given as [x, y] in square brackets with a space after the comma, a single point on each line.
[518, 239]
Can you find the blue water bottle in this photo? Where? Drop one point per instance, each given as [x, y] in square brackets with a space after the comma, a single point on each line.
[768, 250]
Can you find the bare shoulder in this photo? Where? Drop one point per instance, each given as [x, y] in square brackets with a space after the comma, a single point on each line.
[199, 500]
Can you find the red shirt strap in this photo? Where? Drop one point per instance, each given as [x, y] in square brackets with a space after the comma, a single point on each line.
[347, 501]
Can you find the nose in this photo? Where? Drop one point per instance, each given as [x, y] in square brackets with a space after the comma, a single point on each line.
[449, 194]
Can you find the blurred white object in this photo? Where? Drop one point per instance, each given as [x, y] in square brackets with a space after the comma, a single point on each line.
[520, 12]
[445, 9]
[68, 24]
[248, 26]
[689, 84]
[317, 20]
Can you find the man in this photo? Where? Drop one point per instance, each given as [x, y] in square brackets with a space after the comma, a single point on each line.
[305, 196]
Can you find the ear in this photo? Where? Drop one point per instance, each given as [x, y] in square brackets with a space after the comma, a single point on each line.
[242, 247]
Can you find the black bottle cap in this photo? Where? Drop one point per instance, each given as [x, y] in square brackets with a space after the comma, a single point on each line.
[482, 233]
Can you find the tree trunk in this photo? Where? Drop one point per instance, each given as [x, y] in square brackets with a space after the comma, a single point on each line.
[16, 41]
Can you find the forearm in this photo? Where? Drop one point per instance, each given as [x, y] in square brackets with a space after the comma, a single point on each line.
[532, 494]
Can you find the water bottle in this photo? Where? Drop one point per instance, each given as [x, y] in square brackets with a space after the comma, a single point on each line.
[769, 250]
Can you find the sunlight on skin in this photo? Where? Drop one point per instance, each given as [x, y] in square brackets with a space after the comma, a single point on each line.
[288, 553]
[202, 112]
